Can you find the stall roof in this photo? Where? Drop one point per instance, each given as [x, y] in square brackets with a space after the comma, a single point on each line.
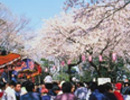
[8, 59]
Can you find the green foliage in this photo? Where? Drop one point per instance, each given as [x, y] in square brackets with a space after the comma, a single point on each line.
[73, 70]
[61, 76]
[108, 68]
[87, 76]
[46, 63]
[2, 48]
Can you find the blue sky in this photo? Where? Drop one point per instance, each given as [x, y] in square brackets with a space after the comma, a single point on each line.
[35, 10]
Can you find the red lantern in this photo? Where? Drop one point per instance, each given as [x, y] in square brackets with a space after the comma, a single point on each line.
[83, 58]
[69, 62]
[100, 58]
[90, 58]
[63, 63]
[114, 57]
[54, 67]
[46, 70]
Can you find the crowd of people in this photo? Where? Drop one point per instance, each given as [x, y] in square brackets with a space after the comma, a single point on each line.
[55, 90]
[9, 74]
[12, 89]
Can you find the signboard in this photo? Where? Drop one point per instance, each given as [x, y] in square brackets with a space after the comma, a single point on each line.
[102, 81]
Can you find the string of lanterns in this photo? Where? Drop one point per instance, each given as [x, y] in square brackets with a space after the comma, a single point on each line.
[90, 59]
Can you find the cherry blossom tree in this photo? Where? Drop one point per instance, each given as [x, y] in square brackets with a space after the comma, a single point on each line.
[11, 28]
[85, 8]
[100, 30]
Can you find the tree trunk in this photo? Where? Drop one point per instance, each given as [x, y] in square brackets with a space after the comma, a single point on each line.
[69, 72]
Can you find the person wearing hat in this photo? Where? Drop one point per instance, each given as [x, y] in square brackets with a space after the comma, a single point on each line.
[117, 91]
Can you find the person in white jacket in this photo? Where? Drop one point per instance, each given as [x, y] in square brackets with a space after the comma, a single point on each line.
[48, 79]
[9, 93]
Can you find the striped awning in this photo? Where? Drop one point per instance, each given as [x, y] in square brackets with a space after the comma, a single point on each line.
[8, 59]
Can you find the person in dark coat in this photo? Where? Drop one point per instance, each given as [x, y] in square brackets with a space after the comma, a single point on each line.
[5, 76]
[109, 92]
[17, 90]
[31, 95]
[96, 93]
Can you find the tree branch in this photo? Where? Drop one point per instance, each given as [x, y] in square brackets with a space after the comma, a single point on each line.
[116, 10]
[77, 63]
